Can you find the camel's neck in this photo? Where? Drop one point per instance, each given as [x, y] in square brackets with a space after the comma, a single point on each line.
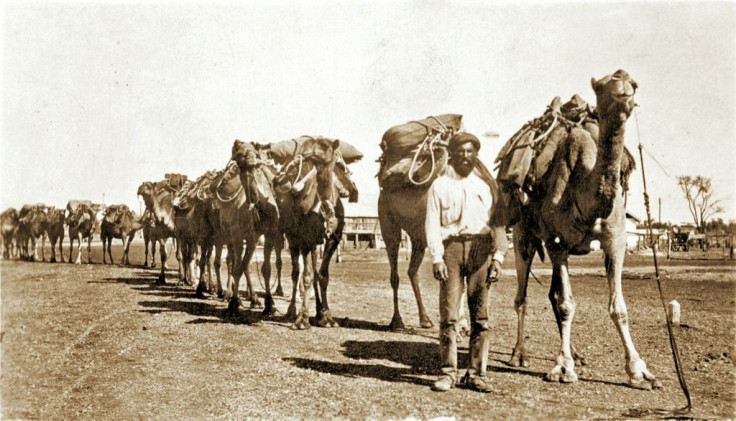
[607, 172]
[324, 180]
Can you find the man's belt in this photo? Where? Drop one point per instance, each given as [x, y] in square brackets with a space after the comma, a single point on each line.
[461, 238]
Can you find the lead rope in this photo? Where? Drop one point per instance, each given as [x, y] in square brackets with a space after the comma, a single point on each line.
[673, 344]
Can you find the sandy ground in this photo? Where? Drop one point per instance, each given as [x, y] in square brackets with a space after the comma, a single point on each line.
[103, 342]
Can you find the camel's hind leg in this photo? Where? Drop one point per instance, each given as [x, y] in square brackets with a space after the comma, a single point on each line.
[636, 368]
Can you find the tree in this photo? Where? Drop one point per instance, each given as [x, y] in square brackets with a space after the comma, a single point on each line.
[700, 199]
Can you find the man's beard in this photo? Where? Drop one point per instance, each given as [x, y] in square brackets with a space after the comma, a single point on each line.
[463, 167]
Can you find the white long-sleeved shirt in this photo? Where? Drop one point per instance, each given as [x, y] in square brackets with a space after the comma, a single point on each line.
[457, 205]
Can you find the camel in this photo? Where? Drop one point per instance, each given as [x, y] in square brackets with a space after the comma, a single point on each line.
[404, 209]
[9, 222]
[54, 228]
[30, 228]
[580, 199]
[152, 234]
[81, 219]
[197, 221]
[158, 197]
[402, 205]
[249, 210]
[118, 222]
[311, 213]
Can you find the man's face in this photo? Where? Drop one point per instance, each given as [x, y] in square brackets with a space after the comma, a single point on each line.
[463, 158]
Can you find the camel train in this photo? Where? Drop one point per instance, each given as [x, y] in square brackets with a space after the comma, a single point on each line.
[562, 178]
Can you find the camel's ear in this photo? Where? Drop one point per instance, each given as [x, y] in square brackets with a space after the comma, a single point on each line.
[594, 84]
[336, 144]
[634, 84]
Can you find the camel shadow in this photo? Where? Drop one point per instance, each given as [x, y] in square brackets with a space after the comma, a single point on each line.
[349, 323]
[207, 311]
[418, 360]
[373, 371]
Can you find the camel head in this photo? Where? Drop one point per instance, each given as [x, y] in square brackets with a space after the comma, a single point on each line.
[146, 191]
[31, 214]
[9, 216]
[320, 150]
[244, 154]
[615, 95]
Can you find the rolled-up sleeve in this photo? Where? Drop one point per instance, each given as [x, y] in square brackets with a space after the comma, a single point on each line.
[432, 226]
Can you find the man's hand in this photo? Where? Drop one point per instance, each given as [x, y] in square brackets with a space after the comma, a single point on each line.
[494, 272]
[440, 271]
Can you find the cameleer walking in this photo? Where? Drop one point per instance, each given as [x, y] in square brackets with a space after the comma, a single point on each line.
[465, 247]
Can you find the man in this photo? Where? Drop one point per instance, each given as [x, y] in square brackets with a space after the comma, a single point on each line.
[465, 247]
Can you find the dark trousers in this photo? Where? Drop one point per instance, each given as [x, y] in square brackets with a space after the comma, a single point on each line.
[466, 261]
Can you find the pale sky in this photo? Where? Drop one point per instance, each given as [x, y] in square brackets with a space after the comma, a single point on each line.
[97, 98]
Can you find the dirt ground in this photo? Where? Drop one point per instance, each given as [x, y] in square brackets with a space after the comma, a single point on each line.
[103, 342]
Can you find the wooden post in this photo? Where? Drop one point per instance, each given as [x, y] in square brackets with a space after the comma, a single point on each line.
[673, 310]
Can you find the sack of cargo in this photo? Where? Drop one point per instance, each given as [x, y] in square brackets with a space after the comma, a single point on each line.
[283, 151]
[402, 139]
[527, 156]
[175, 181]
[415, 153]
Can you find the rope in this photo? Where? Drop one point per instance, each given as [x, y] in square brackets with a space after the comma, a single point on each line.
[219, 184]
[673, 344]
[544, 135]
[427, 144]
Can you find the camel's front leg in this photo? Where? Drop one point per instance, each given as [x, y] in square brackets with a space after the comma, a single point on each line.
[250, 248]
[636, 368]
[237, 256]
[563, 304]
[325, 317]
[53, 250]
[71, 246]
[305, 285]
[417, 256]
[269, 308]
[278, 246]
[162, 252]
[89, 248]
[523, 259]
[34, 245]
[79, 249]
